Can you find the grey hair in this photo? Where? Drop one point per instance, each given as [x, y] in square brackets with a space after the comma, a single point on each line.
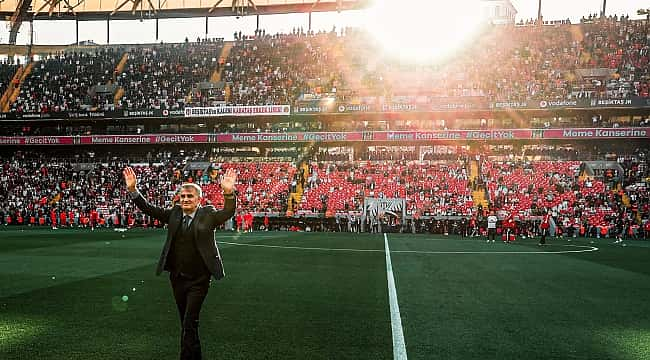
[193, 186]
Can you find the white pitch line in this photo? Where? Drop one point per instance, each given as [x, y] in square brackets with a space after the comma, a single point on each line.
[399, 346]
[585, 249]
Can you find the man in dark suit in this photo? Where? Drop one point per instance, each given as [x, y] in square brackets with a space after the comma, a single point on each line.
[190, 254]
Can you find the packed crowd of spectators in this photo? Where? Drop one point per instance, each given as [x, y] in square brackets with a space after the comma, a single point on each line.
[276, 69]
[542, 63]
[7, 71]
[527, 189]
[163, 76]
[539, 63]
[36, 188]
[427, 187]
[65, 82]
[602, 57]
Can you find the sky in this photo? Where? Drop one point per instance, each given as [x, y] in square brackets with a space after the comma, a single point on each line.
[126, 32]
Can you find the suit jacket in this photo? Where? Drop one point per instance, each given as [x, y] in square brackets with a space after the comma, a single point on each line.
[206, 219]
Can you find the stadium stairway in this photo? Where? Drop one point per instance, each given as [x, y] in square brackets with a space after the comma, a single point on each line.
[10, 89]
[297, 195]
[227, 91]
[473, 170]
[625, 199]
[55, 199]
[118, 95]
[479, 196]
[225, 52]
[216, 76]
[16, 86]
[120, 66]
[118, 70]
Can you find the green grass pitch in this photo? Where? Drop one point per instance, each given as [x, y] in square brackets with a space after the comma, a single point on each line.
[76, 294]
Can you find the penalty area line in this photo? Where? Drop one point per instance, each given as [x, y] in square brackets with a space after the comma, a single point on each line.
[399, 346]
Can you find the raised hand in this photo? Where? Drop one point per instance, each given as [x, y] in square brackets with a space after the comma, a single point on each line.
[228, 181]
[130, 179]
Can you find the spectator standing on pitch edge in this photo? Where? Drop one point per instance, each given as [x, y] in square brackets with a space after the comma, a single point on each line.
[545, 226]
[492, 226]
[190, 254]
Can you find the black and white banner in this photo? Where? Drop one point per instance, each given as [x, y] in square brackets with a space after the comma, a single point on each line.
[374, 207]
[214, 111]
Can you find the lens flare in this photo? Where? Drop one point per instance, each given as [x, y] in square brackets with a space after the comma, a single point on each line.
[423, 30]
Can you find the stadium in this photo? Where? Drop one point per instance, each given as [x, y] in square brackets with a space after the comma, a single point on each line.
[478, 190]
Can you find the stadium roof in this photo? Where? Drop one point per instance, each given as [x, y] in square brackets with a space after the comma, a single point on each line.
[132, 9]
[19, 11]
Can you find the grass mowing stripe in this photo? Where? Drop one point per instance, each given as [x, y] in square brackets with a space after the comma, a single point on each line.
[399, 346]
[58, 270]
[585, 248]
[299, 248]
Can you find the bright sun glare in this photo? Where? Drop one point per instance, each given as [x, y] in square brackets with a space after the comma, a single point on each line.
[423, 30]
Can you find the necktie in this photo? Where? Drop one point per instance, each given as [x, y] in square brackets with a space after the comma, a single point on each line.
[186, 222]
